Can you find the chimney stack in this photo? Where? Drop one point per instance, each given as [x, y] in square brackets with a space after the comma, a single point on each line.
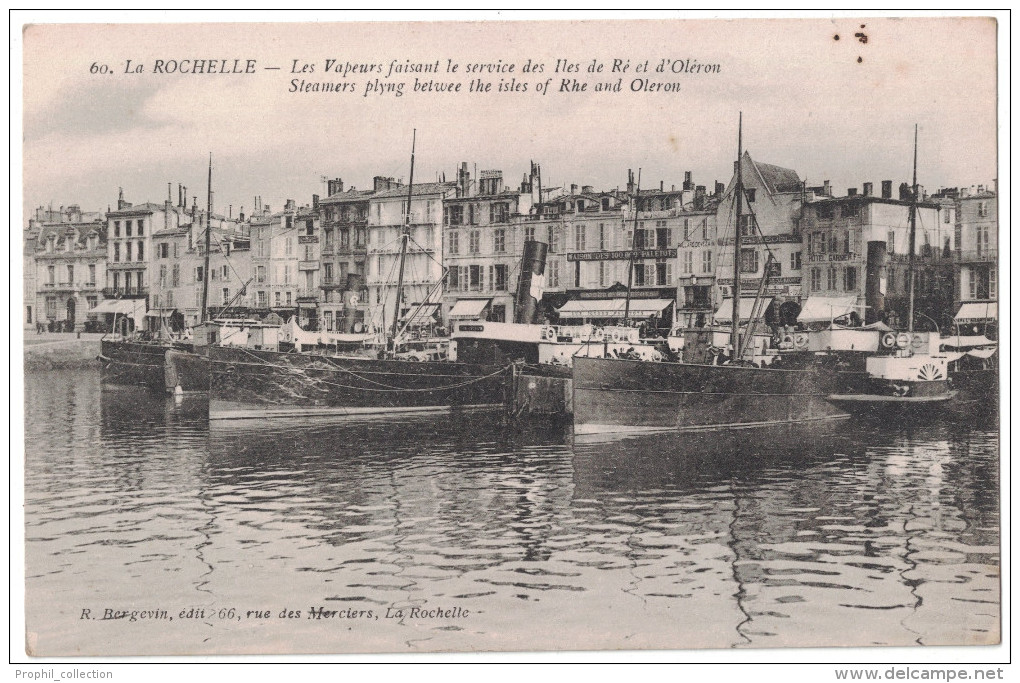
[688, 182]
[573, 188]
[315, 201]
[630, 181]
[869, 189]
[826, 188]
[851, 191]
[699, 198]
[904, 192]
[886, 189]
[719, 189]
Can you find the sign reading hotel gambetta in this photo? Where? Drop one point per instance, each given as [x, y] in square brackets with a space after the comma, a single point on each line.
[822, 258]
[623, 255]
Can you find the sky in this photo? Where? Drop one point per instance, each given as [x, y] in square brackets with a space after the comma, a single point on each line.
[833, 109]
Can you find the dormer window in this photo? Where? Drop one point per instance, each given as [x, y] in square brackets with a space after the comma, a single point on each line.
[51, 243]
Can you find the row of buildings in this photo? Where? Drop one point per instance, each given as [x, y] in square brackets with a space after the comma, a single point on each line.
[334, 262]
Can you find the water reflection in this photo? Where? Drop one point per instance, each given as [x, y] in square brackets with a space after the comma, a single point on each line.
[854, 534]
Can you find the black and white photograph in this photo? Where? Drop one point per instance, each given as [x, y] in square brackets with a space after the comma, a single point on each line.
[366, 336]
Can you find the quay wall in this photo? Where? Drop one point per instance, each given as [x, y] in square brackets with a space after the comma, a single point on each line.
[62, 353]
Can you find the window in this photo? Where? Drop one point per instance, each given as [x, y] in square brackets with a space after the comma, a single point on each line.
[816, 279]
[116, 228]
[51, 274]
[499, 213]
[704, 228]
[846, 242]
[51, 307]
[455, 214]
[849, 211]
[662, 237]
[308, 252]
[688, 264]
[825, 212]
[687, 228]
[162, 250]
[749, 192]
[833, 243]
[795, 260]
[981, 236]
[309, 227]
[579, 238]
[499, 241]
[162, 277]
[947, 213]
[116, 251]
[706, 262]
[359, 237]
[577, 273]
[127, 228]
[91, 302]
[288, 246]
[831, 280]
[474, 241]
[198, 274]
[92, 274]
[454, 242]
[529, 233]
[602, 273]
[982, 209]
[454, 278]
[286, 275]
[664, 271]
[225, 272]
[276, 298]
[170, 299]
[638, 275]
[554, 273]
[850, 279]
[260, 273]
[554, 239]
[327, 273]
[327, 237]
[327, 320]
[748, 261]
[289, 298]
[176, 277]
[891, 243]
[500, 277]
[141, 246]
[475, 278]
[992, 282]
[116, 282]
[127, 251]
[70, 275]
[602, 237]
[260, 298]
[141, 227]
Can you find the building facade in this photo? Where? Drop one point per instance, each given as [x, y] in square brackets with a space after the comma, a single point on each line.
[69, 264]
[977, 259]
[344, 302]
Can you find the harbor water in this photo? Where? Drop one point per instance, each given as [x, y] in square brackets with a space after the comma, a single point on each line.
[150, 532]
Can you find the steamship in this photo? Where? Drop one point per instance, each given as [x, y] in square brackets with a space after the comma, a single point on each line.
[745, 389]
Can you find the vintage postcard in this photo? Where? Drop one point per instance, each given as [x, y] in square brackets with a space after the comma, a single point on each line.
[510, 335]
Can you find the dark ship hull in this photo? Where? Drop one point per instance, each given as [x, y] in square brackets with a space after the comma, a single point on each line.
[612, 395]
[258, 384]
[155, 366]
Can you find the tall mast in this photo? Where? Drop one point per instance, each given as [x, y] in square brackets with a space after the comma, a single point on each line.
[913, 239]
[633, 247]
[735, 334]
[403, 242]
[208, 246]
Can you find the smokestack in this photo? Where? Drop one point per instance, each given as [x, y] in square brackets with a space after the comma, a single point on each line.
[904, 192]
[315, 201]
[532, 282]
[630, 181]
[719, 188]
[826, 188]
[875, 282]
[886, 189]
[869, 189]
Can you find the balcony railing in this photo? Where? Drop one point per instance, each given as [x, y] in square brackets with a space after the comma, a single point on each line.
[933, 257]
[979, 255]
[115, 292]
[308, 265]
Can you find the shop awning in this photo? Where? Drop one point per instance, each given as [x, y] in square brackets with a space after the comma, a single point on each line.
[161, 313]
[725, 312]
[422, 313]
[612, 308]
[977, 312]
[983, 353]
[826, 308]
[134, 308]
[468, 308]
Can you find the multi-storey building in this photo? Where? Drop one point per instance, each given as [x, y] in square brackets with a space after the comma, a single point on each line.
[857, 255]
[769, 227]
[483, 245]
[977, 263]
[423, 269]
[343, 215]
[129, 245]
[69, 264]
